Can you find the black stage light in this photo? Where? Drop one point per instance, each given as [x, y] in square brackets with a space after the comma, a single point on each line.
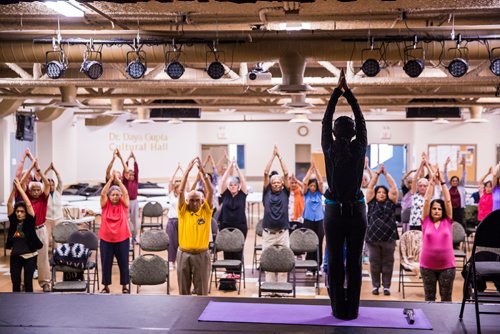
[414, 67]
[370, 67]
[175, 70]
[93, 69]
[458, 67]
[215, 70]
[495, 66]
[136, 69]
[55, 69]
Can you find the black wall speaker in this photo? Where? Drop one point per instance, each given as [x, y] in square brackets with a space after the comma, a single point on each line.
[25, 127]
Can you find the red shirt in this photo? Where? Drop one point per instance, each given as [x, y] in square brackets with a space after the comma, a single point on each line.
[132, 186]
[114, 222]
[40, 207]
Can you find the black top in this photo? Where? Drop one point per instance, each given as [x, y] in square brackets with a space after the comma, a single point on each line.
[233, 209]
[28, 228]
[405, 189]
[344, 179]
[276, 209]
[382, 224]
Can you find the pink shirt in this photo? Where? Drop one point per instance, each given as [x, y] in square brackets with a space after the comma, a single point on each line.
[485, 206]
[114, 222]
[437, 245]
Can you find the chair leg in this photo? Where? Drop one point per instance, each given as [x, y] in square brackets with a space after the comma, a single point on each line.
[466, 287]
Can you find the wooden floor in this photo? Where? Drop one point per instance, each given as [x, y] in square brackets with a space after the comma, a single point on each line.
[304, 290]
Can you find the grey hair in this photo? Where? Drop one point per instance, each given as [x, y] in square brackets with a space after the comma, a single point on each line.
[233, 179]
[113, 188]
[35, 183]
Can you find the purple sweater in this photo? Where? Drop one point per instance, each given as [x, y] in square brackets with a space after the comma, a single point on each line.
[437, 245]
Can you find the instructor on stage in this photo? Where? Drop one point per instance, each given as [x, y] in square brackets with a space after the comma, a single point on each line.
[345, 210]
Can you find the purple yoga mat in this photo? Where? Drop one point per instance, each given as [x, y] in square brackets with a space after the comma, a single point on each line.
[295, 314]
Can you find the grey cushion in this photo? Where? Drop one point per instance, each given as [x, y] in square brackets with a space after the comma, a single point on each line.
[304, 240]
[277, 259]
[276, 287]
[306, 264]
[230, 240]
[62, 231]
[152, 209]
[227, 264]
[70, 286]
[149, 269]
[154, 240]
[488, 268]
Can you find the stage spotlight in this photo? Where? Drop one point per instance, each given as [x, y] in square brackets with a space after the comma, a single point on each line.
[370, 67]
[136, 69]
[175, 70]
[215, 70]
[93, 69]
[495, 66]
[55, 69]
[458, 67]
[58, 65]
[414, 67]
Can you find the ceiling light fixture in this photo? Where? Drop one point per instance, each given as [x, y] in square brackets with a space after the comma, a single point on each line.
[414, 66]
[174, 68]
[495, 63]
[92, 62]
[300, 118]
[68, 8]
[440, 120]
[55, 68]
[215, 70]
[136, 60]
[459, 66]
[371, 66]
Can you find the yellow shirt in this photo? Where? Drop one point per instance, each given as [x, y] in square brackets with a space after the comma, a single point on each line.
[194, 227]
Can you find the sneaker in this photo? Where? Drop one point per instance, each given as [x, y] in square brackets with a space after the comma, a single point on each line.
[320, 273]
[387, 292]
[375, 291]
[46, 288]
[309, 273]
[35, 274]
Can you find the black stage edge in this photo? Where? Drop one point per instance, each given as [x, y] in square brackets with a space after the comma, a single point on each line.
[86, 313]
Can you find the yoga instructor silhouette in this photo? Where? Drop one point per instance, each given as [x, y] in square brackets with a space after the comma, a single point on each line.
[345, 209]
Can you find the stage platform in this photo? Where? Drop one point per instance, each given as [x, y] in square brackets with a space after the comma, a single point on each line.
[83, 313]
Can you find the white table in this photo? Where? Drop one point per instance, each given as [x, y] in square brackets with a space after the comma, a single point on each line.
[253, 199]
[95, 206]
[88, 220]
[152, 191]
[73, 198]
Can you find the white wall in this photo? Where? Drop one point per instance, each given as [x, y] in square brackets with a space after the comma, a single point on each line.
[82, 153]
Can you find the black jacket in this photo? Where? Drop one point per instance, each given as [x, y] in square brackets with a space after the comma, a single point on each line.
[29, 231]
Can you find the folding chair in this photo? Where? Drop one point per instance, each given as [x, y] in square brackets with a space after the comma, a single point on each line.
[229, 240]
[257, 247]
[487, 238]
[304, 240]
[410, 246]
[277, 259]
[90, 240]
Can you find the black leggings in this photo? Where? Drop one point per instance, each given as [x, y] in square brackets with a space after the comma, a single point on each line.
[345, 224]
[17, 264]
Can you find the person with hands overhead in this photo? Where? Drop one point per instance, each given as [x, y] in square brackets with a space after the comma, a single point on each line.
[418, 190]
[130, 179]
[382, 230]
[485, 205]
[456, 187]
[345, 209]
[22, 239]
[437, 259]
[174, 189]
[54, 204]
[313, 209]
[38, 195]
[233, 199]
[116, 154]
[114, 233]
[195, 215]
[276, 223]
